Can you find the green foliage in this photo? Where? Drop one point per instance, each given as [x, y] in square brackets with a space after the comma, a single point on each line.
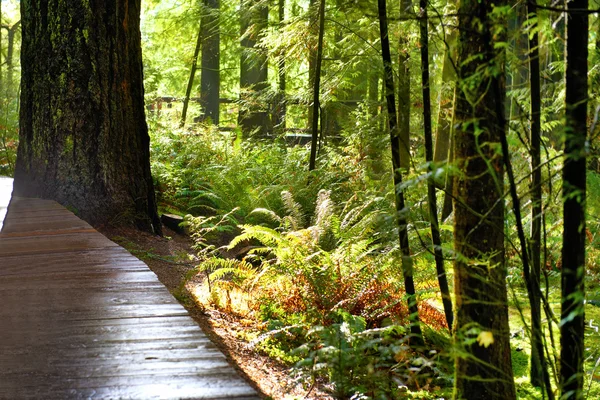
[9, 87]
[365, 363]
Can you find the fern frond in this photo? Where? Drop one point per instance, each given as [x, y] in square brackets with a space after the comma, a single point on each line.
[293, 209]
[271, 215]
[267, 236]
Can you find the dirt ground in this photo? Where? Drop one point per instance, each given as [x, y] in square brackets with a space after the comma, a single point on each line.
[164, 255]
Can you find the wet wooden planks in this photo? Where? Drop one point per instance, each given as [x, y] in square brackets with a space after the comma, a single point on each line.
[80, 317]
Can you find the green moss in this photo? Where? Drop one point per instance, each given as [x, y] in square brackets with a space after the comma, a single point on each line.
[68, 145]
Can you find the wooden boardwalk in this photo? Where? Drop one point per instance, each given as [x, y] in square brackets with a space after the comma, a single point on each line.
[80, 317]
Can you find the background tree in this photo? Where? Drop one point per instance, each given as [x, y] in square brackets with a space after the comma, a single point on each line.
[83, 139]
[190, 84]
[431, 195]
[317, 89]
[539, 374]
[574, 197]
[210, 75]
[483, 366]
[396, 145]
[404, 86]
[253, 116]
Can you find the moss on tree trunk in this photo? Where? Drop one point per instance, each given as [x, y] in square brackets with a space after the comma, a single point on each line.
[83, 138]
[483, 368]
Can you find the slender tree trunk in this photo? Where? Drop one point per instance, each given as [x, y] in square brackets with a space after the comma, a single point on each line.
[83, 137]
[431, 196]
[313, 20]
[446, 103]
[281, 105]
[449, 183]
[10, 68]
[539, 372]
[404, 90]
[190, 85]
[210, 74]
[519, 68]
[537, 353]
[483, 368]
[594, 154]
[443, 138]
[407, 267]
[574, 195]
[316, 89]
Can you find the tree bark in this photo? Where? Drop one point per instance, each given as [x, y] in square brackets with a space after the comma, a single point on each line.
[407, 267]
[574, 195]
[83, 135]
[210, 72]
[483, 368]
[253, 117]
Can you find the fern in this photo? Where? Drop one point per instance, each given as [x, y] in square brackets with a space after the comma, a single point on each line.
[295, 217]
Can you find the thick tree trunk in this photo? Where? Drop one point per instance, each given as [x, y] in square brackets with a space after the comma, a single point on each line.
[83, 135]
[483, 367]
[253, 116]
[407, 267]
[210, 73]
[574, 195]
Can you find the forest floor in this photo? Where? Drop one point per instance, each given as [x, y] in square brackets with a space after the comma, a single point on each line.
[165, 256]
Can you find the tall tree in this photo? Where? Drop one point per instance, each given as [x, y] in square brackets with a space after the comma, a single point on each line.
[253, 116]
[574, 196]
[539, 373]
[83, 135]
[280, 104]
[190, 85]
[443, 151]
[210, 73]
[404, 88]
[317, 89]
[483, 367]
[431, 195]
[407, 267]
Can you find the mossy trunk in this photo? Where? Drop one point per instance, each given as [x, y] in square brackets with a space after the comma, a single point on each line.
[83, 135]
[483, 367]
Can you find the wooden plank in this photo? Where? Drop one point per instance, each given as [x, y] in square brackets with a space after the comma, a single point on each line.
[83, 318]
